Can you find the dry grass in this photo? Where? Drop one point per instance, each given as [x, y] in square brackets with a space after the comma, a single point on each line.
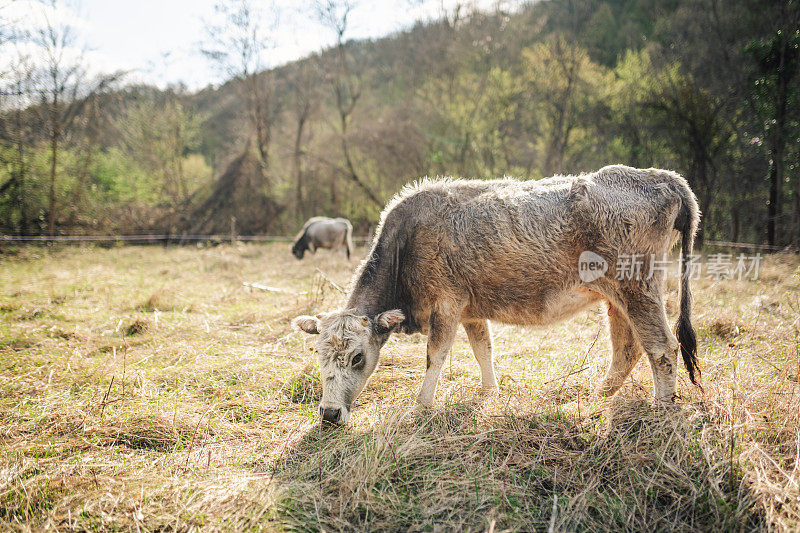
[144, 388]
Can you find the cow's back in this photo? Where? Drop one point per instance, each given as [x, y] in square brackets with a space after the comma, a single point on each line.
[485, 219]
[327, 232]
[510, 248]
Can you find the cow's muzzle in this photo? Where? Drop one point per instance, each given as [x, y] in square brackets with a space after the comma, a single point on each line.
[335, 415]
[331, 415]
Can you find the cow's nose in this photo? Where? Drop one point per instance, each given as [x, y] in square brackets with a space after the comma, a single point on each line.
[330, 415]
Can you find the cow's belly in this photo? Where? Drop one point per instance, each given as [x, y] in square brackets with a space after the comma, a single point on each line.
[567, 304]
[538, 310]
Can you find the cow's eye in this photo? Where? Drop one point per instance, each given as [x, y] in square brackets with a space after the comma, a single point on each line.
[357, 358]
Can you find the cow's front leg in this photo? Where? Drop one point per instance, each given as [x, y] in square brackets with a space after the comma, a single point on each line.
[480, 339]
[443, 326]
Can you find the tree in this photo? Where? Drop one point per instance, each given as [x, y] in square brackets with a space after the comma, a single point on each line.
[306, 97]
[158, 132]
[746, 51]
[564, 88]
[633, 140]
[345, 83]
[473, 113]
[775, 94]
[694, 124]
[15, 139]
[59, 83]
[64, 90]
[237, 42]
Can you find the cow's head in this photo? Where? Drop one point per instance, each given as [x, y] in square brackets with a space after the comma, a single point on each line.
[299, 248]
[347, 346]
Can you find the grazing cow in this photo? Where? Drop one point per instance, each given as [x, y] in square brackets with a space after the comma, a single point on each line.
[527, 253]
[324, 232]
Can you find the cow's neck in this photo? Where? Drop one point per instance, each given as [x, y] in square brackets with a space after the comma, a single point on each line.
[371, 299]
[377, 288]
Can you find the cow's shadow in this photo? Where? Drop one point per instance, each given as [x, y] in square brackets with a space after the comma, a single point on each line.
[641, 465]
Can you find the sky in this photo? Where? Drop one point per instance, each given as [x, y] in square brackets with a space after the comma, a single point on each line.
[159, 41]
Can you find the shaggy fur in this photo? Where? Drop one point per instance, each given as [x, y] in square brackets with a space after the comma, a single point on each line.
[463, 251]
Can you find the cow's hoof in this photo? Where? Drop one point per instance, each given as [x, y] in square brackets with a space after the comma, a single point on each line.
[666, 401]
[489, 391]
[425, 404]
[606, 390]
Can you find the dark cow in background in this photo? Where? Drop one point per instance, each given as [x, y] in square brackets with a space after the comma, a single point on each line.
[459, 251]
[324, 232]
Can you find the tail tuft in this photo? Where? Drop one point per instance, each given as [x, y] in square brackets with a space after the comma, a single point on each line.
[688, 342]
[686, 224]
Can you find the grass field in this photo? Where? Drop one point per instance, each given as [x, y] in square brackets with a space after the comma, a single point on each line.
[147, 388]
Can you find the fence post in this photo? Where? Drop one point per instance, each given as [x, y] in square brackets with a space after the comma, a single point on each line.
[233, 229]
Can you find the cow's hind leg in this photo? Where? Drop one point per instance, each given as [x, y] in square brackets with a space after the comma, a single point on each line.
[626, 352]
[649, 321]
[443, 327]
[480, 339]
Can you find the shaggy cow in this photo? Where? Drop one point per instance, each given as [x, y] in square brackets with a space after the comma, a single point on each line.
[324, 232]
[458, 251]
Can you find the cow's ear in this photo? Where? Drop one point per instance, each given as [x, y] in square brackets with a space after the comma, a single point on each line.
[389, 320]
[309, 324]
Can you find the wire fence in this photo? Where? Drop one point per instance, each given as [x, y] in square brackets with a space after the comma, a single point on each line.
[169, 239]
[726, 244]
[178, 239]
[154, 238]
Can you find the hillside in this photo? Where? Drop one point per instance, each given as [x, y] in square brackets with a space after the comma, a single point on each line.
[554, 87]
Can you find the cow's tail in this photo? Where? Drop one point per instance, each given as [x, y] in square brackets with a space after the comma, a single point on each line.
[348, 239]
[686, 223]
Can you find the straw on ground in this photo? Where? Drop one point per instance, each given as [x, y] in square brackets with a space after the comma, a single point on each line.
[148, 388]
